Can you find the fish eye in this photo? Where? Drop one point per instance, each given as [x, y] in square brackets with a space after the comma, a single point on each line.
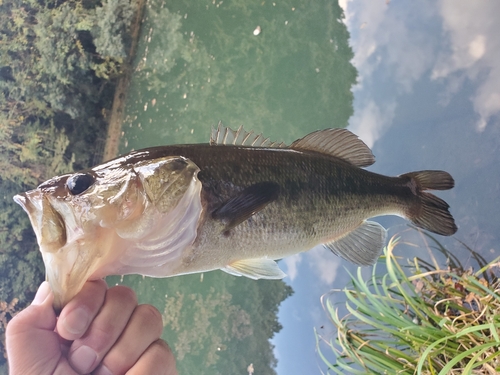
[79, 182]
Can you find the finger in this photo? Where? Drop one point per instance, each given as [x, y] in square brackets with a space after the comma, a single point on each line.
[156, 360]
[77, 315]
[144, 327]
[88, 351]
[32, 331]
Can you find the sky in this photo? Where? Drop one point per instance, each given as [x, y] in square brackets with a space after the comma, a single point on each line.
[427, 60]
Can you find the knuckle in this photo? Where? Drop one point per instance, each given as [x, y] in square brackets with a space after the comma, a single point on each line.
[101, 338]
[160, 350]
[150, 315]
[98, 284]
[20, 323]
[124, 292]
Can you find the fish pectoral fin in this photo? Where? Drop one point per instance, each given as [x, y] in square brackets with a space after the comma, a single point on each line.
[362, 246]
[250, 201]
[259, 268]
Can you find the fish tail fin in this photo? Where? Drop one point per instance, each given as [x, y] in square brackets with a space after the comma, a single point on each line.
[430, 212]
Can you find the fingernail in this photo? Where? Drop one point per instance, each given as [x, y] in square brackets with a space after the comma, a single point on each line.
[83, 359]
[102, 370]
[77, 321]
[41, 294]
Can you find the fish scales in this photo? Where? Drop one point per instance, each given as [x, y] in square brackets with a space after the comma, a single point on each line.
[320, 198]
[236, 204]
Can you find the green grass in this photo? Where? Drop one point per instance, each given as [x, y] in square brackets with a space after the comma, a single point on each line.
[434, 321]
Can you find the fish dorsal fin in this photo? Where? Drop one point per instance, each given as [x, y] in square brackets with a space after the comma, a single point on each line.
[223, 135]
[362, 246]
[259, 268]
[340, 143]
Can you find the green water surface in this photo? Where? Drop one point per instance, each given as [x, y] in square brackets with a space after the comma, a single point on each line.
[198, 63]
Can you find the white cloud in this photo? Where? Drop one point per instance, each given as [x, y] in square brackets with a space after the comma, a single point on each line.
[324, 264]
[477, 47]
[381, 34]
[292, 263]
[343, 4]
[371, 121]
[474, 53]
[384, 44]
[321, 262]
[396, 40]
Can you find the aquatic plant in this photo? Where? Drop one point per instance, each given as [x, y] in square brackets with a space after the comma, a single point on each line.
[433, 321]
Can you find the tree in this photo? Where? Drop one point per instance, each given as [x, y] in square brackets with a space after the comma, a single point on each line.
[58, 67]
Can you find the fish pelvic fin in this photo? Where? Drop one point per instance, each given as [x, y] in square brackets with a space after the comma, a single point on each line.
[255, 269]
[430, 212]
[362, 246]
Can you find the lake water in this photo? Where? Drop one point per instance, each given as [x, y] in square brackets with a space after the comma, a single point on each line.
[419, 83]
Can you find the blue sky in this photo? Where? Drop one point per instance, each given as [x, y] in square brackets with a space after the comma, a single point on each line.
[429, 64]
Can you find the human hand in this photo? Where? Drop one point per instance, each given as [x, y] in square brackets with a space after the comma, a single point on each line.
[101, 330]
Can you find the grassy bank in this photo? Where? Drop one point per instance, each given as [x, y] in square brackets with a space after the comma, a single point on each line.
[433, 321]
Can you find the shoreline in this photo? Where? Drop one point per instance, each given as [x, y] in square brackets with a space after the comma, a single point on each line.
[117, 110]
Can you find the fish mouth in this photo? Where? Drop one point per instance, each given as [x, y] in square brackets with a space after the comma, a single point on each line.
[48, 224]
[73, 248]
[50, 230]
[25, 202]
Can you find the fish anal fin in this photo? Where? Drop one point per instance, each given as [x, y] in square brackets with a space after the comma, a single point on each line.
[247, 203]
[223, 135]
[340, 143]
[259, 268]
[362, 246]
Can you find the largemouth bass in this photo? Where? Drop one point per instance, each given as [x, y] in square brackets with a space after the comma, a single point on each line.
[235, 204]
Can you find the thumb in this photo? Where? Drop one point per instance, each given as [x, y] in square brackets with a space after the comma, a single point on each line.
[39, 315]
[42, 293]
[30, 337]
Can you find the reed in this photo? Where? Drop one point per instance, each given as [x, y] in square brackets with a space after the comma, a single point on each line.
[426, 321]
